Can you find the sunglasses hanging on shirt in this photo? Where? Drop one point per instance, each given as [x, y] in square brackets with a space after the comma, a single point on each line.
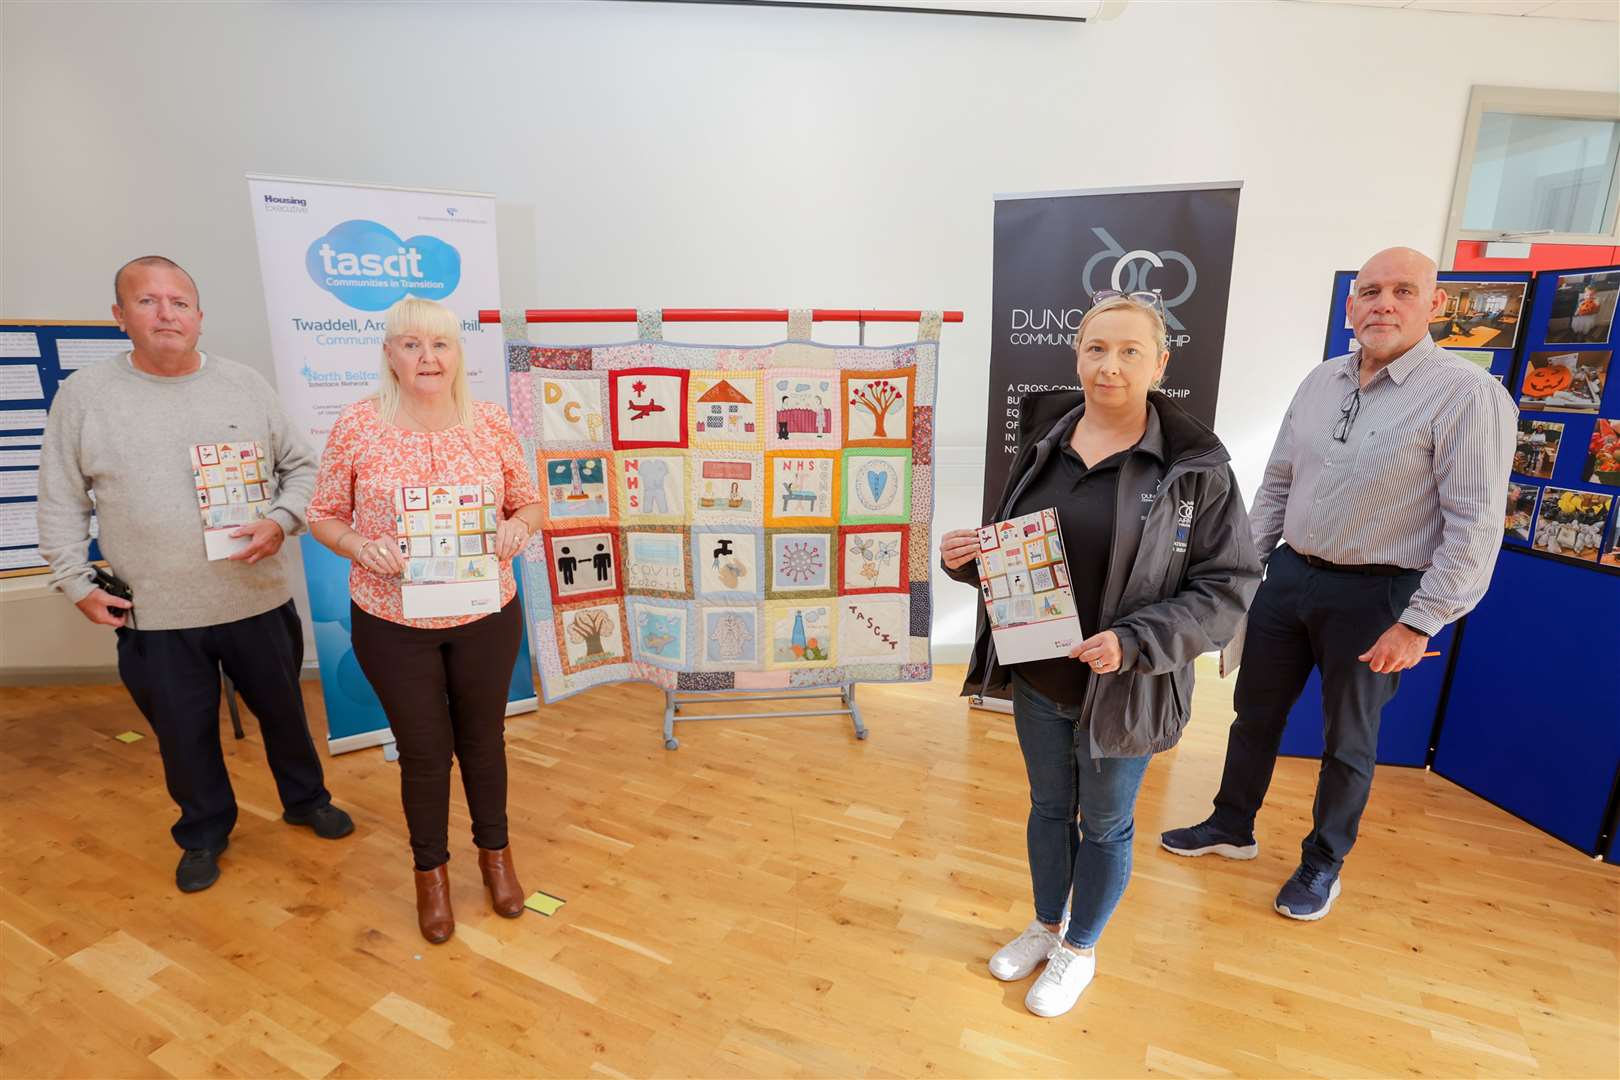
[1348, 412]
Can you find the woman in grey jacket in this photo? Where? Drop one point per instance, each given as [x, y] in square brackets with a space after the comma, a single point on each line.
[1162, 567]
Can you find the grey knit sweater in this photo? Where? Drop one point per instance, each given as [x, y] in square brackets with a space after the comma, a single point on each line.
[127, 436]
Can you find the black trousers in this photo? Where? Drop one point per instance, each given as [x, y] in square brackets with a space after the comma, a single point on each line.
[445, 694]
[173, 675]
[1302, 618]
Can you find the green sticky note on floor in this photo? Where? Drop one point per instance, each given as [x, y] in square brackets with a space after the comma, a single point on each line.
[543, 903]
[130, 736]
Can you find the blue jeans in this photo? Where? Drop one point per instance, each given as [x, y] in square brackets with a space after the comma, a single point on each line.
[1093, 861]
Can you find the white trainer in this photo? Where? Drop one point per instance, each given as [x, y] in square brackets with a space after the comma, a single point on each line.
[1066, 976]
[1024, 953]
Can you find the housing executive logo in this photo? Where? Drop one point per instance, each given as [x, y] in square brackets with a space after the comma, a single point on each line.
[285, 204]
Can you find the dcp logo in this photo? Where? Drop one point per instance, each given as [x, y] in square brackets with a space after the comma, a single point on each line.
[1131, 270]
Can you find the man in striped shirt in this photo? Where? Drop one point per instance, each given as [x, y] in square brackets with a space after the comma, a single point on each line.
[1386, 488]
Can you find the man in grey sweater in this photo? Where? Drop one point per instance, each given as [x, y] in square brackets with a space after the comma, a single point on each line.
[131, 439]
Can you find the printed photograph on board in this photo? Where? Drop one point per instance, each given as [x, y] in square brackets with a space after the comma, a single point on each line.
[1612, 556]
[1521, 511]
[1536, 451]
[1583, 309]
[1571, 523]
[1603, 454]
[1478, 315]
[1565, 381]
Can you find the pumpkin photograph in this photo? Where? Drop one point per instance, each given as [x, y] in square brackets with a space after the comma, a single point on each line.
[1564, 381]
[1583, 309]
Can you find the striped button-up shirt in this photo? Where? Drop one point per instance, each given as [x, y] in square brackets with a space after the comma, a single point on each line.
[1420, 481]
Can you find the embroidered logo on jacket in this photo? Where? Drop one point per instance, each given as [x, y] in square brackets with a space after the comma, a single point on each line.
[1184, 517]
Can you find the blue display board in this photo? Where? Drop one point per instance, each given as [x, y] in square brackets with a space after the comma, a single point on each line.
[1531, 722]
[35, 358]
[1489, 335]
[1534, 743]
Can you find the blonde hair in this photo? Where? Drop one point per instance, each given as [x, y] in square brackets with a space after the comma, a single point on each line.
[1161, 334]
[427, 318]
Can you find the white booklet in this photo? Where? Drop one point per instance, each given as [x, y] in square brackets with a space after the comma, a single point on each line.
[1024, 578]
[233, 489]
[447, 539]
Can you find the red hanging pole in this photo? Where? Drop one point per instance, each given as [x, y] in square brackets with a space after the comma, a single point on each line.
[750, 315]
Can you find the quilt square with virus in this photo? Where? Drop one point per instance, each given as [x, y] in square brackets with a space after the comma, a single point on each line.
[728, 518]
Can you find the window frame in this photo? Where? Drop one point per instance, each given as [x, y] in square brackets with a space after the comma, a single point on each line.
[1524, 101]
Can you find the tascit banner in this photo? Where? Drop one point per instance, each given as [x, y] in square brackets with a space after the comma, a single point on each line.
[1053, 251]
[334, 257]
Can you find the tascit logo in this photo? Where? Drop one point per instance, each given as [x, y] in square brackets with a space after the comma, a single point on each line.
[285, 204]
[368, 266]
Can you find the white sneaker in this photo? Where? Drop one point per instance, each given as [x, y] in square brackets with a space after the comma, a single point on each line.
[1067, 974]
[1024, 953]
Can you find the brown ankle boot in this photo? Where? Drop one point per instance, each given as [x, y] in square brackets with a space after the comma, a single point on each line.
[505, 894]
[433, 914]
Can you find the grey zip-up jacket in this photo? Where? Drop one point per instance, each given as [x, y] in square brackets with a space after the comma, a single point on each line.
[1177, 585]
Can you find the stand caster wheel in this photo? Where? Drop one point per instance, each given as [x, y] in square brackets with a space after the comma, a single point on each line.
[672, 744]
[860, 735]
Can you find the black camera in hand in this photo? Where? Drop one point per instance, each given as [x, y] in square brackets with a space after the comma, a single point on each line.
[113, 585]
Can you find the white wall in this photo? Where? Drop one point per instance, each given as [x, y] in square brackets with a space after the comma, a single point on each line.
[675, 155]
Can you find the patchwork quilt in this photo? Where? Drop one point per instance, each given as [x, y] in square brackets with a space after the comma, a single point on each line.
[728, 518]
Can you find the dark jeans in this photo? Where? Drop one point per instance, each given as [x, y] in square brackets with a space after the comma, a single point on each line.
[173, 675]
[1091, 862]
[1302, 618]
[445, 693]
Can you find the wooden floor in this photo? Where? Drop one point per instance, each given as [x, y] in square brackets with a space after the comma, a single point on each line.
[773, 899]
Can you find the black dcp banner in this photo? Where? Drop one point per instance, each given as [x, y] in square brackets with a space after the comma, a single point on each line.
[1055, 249]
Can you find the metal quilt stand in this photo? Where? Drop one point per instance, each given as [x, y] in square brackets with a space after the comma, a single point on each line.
[675, 699]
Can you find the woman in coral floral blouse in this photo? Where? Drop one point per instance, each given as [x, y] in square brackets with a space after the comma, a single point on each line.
[442, 681]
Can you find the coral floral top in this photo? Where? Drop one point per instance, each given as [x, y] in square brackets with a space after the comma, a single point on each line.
[366, 461]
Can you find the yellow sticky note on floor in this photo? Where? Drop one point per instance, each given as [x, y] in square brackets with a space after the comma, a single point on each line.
[130, 736]
[543, 903]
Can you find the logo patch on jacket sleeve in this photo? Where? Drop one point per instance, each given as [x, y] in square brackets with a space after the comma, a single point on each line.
[1184, 517]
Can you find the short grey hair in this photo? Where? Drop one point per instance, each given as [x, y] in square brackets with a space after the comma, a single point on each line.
[152, 260]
